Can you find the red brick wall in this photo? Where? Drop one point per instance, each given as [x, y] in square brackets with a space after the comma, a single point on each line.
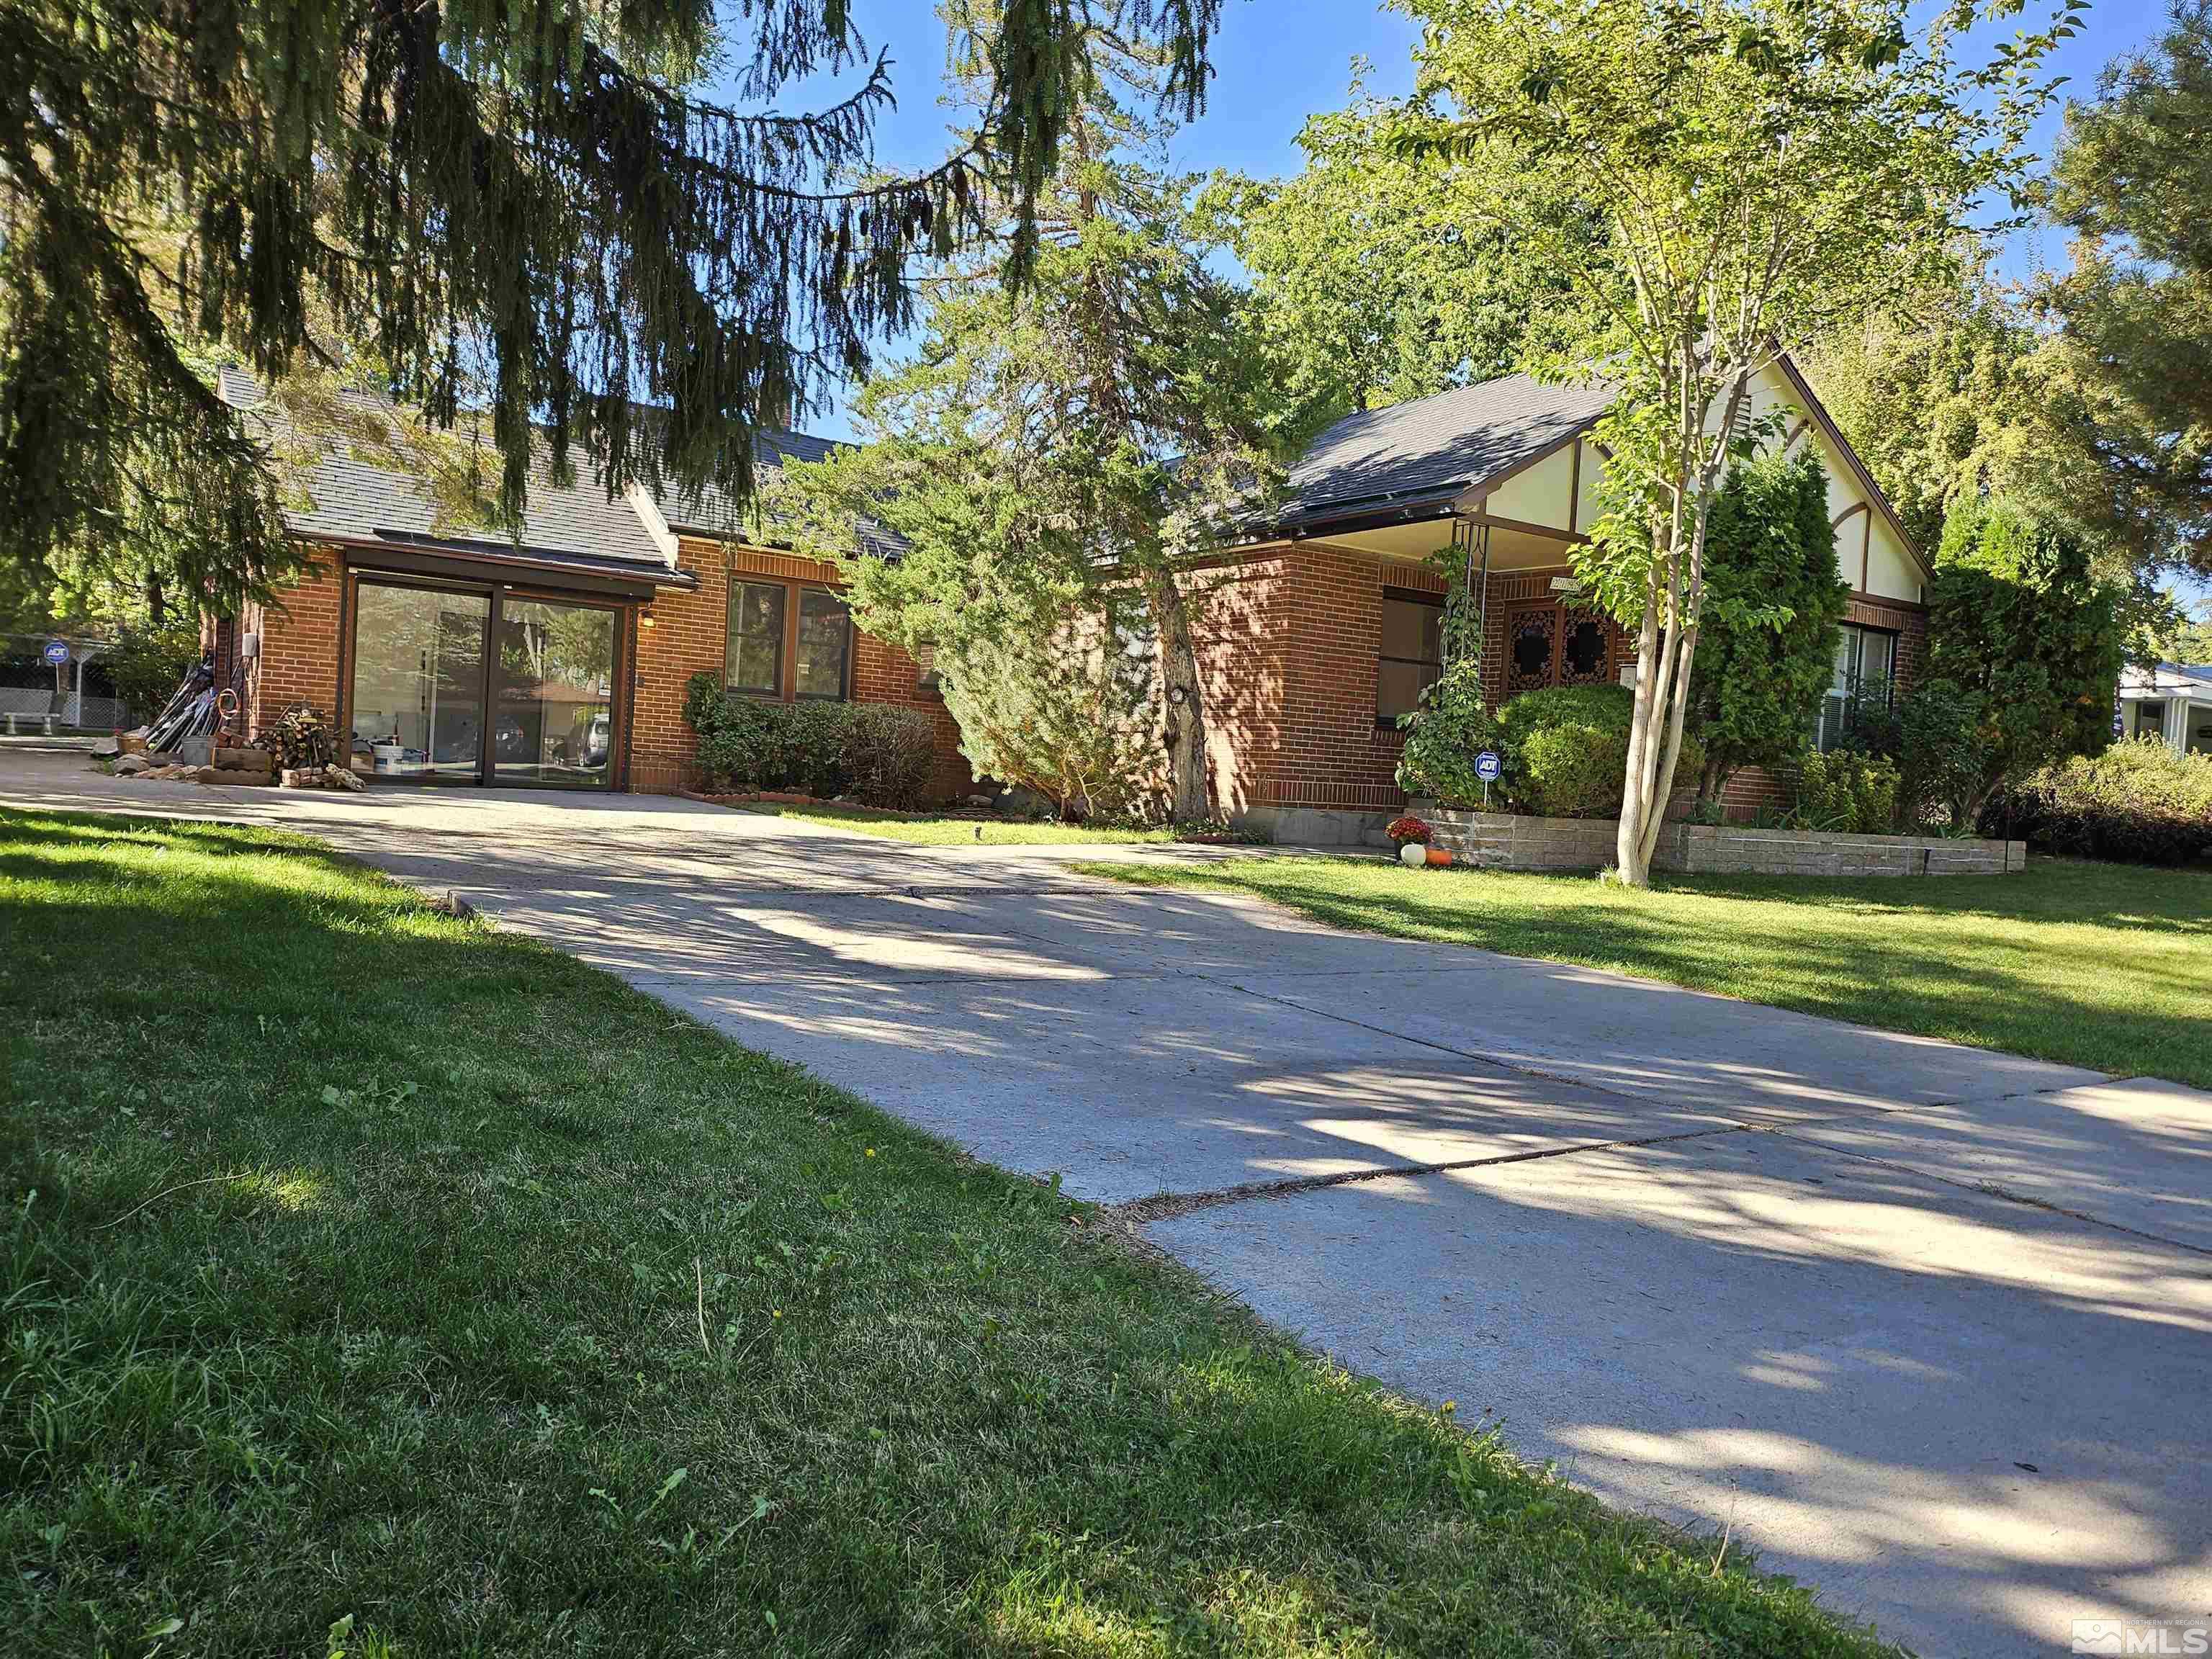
[1240, 626]
[302, 631]
[300, 634]
[689, 635]
[1289, 640]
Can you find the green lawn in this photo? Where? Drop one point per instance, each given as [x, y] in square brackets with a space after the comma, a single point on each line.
[369, 1264]
[947, 830]
[2103, 965]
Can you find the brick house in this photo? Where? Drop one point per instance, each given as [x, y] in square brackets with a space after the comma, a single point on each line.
[563, 659]
[559, 657]
[1326, 626]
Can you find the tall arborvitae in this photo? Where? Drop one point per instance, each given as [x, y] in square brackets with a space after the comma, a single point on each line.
[518, 202]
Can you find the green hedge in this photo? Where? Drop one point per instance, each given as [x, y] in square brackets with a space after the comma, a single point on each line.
[2138, 802]
[1842, 794]
[1564, 748]
[876, 753]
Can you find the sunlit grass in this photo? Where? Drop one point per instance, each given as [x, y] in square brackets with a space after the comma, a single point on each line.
[366, 1265]
[2107, 966]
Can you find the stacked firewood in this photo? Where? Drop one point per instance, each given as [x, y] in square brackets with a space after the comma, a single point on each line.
[298, 740]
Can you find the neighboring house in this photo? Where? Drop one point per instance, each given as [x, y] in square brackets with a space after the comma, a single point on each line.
[2171, 702]
[563, 660]
[558, 659]
[1325, 629]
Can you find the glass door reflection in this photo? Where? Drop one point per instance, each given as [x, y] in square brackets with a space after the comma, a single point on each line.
[418, 682]
[554, 702]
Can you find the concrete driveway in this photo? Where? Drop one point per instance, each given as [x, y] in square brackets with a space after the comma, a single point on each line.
[1927, 1327]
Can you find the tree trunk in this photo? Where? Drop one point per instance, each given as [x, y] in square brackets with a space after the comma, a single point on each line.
[1183, 698]
[1664, 660]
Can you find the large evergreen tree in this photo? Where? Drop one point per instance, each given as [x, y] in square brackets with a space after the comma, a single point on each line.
[526, 201]
[1060, 459]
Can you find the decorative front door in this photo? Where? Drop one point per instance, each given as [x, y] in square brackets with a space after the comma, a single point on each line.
[1552, 644]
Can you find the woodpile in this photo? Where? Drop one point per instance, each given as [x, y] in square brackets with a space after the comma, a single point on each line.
[302, 745]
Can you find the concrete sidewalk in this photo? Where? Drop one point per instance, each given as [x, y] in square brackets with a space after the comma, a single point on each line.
[1926, 1326]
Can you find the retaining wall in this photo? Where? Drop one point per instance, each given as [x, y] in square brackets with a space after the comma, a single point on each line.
[1505, 840]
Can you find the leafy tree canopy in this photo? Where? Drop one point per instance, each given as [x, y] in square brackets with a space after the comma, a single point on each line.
[2133, 181]
[522, 202]
[1380, 277]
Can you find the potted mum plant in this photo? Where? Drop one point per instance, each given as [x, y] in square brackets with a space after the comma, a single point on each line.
[1411, 837]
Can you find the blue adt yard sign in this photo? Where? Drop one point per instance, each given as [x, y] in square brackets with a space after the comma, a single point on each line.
[57, 654]
[1487, 766]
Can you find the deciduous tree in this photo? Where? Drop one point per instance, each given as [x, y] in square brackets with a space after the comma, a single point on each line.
[1767, 170]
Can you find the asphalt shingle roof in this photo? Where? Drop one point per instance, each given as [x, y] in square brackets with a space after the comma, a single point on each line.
[351, 500]
[1436, 445]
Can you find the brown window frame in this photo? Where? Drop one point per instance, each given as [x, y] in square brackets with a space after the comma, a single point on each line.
[787, 668]
[1405, 596]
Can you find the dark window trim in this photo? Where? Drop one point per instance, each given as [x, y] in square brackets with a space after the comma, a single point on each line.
[1404, 596]
[787, 671]
[844, 692]
[496, 591]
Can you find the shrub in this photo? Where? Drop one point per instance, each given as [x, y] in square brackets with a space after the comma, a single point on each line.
[1844, 794]
[890, 753]
[1766, 643]
[1564, 748]
[880, 754]
[2018, 617]
[2138, 801]
[1939, 752]
[1567, 750]
[1444, 735]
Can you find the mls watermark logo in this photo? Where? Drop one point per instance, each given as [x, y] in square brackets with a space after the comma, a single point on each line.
[2156, 1636]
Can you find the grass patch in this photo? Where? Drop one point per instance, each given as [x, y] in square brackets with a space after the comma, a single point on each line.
[2102, 965]
[365, 1264]
[956, 830]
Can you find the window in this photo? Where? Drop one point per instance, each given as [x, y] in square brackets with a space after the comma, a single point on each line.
[2150, 719]
[1412, 654]
[789, 641]
[1865, 672]
[755, 652]
[825, 646]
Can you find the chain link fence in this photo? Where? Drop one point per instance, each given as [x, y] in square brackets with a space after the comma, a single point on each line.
[36, 698]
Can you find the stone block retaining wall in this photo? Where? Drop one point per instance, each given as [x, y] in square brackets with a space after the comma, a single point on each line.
[1505, 840]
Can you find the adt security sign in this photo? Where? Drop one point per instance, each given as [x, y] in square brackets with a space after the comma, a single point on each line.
[1487, 766]
[57, 654]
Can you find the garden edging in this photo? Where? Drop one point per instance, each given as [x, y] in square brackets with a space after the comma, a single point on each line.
[1506, 840]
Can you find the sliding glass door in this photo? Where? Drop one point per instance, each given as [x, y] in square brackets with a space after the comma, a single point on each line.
[458, 685]
[418, 682]
[556, 699]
